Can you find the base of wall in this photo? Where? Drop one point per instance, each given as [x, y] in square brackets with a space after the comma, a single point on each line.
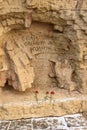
[68, 122]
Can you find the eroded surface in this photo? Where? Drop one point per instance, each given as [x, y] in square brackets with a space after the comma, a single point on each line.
[43, 46]
[41, 57]
[15, 105]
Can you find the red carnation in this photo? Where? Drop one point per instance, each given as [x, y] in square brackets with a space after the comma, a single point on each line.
[52, 92]
[36, 92]
[36, 95]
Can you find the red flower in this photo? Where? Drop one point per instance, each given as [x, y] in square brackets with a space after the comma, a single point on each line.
[52, 92]
[47, 92]
[36, 92]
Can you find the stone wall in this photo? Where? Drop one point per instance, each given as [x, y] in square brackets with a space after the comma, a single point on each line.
[61, 27]
[43, 45]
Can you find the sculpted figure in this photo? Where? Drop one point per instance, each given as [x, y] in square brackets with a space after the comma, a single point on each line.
[15, 65]
[64, 75]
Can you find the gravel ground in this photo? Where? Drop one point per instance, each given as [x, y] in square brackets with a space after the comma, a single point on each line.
[69, 122]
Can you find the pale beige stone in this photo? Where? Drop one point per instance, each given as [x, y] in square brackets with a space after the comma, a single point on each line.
[58, 28]
[17, 109]
[43, 46]
[64, 74]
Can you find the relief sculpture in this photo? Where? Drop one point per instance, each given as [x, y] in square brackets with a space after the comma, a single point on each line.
[64, 75]
[43, 58]
[38, 57]
[16, 66]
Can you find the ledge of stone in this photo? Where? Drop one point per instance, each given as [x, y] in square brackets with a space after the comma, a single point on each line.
[15, 105]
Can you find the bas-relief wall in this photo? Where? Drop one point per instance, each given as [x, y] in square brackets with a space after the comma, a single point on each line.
[43, 48]
[49, 52]
[40, 56]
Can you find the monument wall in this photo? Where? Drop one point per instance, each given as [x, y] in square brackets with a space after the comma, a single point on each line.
[43, 46]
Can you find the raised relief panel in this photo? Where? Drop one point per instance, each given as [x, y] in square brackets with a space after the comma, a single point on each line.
[37, 57]
[42, 50]
[45, 51]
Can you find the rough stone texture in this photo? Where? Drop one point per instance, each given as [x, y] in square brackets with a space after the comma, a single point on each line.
[62, 42]
[15, 105]
[69, 122]
[43, 46]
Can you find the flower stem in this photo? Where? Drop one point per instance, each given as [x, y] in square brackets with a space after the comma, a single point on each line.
[51, 99]
[46, 97]
[36, 97]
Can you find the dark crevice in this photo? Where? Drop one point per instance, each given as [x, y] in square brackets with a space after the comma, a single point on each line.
[7, 86]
